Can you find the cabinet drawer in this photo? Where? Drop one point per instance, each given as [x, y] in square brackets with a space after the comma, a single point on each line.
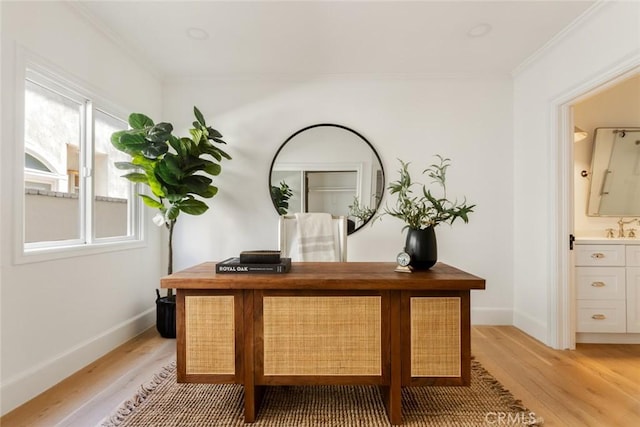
[633, 256]
[603, 255]
[601, 316]
[600, 282]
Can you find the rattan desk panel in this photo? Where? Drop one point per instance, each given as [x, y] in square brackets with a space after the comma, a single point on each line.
[324, 323]
[321, 335]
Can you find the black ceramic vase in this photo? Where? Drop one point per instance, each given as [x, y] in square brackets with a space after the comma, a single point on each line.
[422, 247]
[166, 316]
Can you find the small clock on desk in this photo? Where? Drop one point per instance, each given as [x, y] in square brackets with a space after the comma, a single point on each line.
[403, 259]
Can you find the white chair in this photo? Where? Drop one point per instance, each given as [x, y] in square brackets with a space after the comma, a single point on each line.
[288, 230]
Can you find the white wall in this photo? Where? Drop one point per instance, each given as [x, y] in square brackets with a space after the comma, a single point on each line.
[59, 315]
[465, 118]
[605, 39]
[617, 106]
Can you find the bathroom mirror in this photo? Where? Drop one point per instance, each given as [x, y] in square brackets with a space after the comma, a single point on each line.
[327, 168]
[615, 173]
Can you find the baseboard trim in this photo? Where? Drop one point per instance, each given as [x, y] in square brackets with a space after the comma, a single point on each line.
[491, 316]
[530, 326]
[28, 384]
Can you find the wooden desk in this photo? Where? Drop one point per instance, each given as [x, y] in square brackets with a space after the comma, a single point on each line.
[324, 323]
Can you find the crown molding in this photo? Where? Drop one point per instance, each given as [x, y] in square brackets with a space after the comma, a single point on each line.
[592, 10]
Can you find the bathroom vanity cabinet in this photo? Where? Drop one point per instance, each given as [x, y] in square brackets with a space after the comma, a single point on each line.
[607, 284]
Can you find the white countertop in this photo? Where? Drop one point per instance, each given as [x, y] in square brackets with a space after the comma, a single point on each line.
[607, 241]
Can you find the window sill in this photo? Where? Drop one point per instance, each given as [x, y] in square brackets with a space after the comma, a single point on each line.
[27, 256]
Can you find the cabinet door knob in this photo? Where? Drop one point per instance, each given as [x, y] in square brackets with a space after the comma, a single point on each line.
[598, 284]
[597, 255]
[598, 317]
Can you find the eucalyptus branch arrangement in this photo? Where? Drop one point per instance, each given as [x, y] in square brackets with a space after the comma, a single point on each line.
[426, 209]
[361, 212]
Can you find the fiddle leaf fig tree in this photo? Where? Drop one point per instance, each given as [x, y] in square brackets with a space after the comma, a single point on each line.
[177, 170]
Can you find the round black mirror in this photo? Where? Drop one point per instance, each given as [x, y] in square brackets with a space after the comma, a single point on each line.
[327, 168]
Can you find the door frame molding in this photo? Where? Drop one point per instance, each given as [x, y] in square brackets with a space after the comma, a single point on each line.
[561, 296]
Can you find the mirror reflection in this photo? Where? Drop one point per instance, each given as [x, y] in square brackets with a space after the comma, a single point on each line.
[327, 168]
[615, 173]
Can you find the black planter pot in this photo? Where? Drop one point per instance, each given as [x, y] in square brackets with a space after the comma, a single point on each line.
[421, 245]
[166, 316]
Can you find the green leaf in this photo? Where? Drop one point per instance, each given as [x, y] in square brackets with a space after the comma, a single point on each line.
[214, 133]
[199, 116]
[208, 148]
[187, 146]
[209, 192]
[137, 177]
[173, 163]
[192, 206]
[125, 165]
[224, 154]
[147, 164]
[173, 198]
[156, 186]
[133, 141]
[151, 202]
[212, 152]
[115, 140]
[139, 121]
[193, 164]
[165, 174]
[212, 168]
[173, 212]
[196, 135]
[153, 150]
[196, 184]
[160, 132]
[177, 145]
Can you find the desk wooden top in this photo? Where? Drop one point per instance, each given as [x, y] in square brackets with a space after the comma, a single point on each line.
[327, 275]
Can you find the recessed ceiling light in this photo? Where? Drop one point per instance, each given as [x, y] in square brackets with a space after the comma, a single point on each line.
[479, 30]
[197, 33]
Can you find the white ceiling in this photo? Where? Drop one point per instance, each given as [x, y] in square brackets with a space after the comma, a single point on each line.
[342, 37]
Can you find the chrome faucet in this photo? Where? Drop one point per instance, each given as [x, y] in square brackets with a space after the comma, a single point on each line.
[621, 224]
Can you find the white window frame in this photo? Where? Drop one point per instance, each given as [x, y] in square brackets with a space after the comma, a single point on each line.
[36, 69]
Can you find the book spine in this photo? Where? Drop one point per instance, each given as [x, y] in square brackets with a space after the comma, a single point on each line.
[249, 268]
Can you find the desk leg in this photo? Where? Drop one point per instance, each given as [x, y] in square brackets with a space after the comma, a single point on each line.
[392, 394]
[252, 393]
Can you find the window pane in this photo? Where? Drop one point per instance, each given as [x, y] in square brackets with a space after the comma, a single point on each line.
[112, 192]
[52, 136]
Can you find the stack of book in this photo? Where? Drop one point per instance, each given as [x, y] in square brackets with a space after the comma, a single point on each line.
[263, 262]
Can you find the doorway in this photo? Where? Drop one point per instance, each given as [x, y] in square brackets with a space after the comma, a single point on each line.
[562, 313]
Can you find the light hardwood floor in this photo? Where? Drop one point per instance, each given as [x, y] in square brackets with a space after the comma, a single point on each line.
[595, 385]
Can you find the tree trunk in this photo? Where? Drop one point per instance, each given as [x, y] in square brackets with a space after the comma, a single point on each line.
[170, 264]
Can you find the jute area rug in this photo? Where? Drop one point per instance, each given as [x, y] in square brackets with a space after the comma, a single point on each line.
[165, 403]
